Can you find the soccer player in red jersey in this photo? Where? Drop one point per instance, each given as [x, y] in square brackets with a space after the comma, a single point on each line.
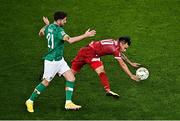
[91, 55]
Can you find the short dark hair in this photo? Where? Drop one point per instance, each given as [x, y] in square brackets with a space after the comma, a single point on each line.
[125, 39]
[59, 15]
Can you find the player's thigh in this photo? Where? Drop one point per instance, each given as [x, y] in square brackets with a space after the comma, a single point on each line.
[77, 64]
[79, 61]
[50, 70]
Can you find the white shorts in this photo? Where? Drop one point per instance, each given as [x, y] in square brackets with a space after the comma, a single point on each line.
[51, 68]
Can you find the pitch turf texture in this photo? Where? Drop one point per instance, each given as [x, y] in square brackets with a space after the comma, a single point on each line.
[154, 26]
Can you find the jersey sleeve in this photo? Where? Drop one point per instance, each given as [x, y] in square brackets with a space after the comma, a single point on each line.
[117, 55]
[62, 33]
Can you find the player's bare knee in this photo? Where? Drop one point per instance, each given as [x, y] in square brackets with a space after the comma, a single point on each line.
[45, 83]
[72, 78]
[100, 70]
[69, 76]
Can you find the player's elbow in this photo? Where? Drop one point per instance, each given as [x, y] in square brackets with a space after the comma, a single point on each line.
[41, 33]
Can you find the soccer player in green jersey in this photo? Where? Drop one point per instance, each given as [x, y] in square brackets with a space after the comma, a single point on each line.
[54, 62]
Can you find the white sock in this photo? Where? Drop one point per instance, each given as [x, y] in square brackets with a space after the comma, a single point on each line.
[30, 101]
[68, 101]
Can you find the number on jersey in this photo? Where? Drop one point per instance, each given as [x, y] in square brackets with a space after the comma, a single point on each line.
[106, 42]
[50, 38]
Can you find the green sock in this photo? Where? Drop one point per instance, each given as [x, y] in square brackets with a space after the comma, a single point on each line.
[40, 88]
[69, 90]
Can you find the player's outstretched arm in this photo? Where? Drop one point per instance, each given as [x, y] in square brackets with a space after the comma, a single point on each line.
[41, 31]
[126, 70]
[128, 61]
[88, 33]
[46, 21]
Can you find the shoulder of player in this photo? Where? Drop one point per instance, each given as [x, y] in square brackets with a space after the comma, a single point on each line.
[50, 26]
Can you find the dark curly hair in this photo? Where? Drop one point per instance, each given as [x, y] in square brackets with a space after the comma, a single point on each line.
[59, 15]
[125, 39]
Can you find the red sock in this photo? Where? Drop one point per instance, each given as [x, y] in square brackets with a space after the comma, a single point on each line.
[104, 81]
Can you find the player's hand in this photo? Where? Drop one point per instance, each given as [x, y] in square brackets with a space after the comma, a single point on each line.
[46, 20]
[90, 33]
[41, 32]
[135, 78]
[135, 65]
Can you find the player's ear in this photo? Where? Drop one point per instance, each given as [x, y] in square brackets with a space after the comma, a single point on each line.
[59, 21]
[120, 44]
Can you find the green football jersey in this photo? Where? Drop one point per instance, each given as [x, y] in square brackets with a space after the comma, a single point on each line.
[54, 35]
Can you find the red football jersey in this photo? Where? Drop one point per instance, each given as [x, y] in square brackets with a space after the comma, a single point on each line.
[106, 47]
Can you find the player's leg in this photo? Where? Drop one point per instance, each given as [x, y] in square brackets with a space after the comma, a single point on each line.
[78, 62]
[70, 79]
[49, 72]
[37, 91]
[99, 69]
[76, 66]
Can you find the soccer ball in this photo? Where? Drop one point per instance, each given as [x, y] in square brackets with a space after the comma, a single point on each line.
[142, 73]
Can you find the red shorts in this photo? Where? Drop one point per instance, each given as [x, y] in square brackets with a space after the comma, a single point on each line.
[86, 55]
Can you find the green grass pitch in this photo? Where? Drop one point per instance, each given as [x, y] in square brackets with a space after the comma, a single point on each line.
[154, 27]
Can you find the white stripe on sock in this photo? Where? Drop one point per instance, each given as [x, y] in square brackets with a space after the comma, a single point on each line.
[68, 101]
[69, 88]
[29, 100]
[38, 92]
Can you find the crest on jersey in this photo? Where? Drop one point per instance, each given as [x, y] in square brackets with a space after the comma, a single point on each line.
[63, 33]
